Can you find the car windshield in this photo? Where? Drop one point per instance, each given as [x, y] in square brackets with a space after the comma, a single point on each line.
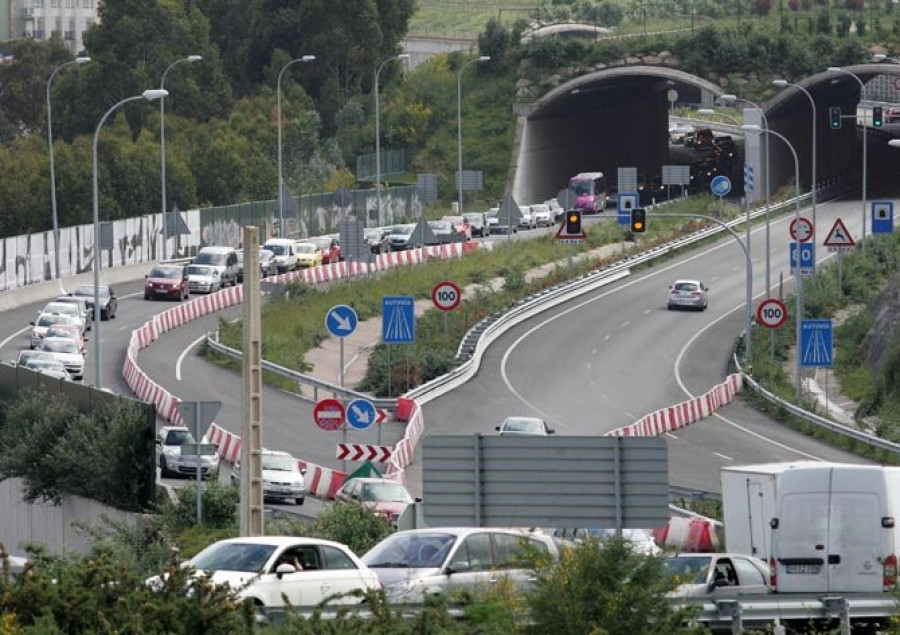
[166, 272]
[231, 556]
[405, 230]
[686, 286]
[305, 248]
[523, 425]
[195, 270]
[688, 569]
[44, 364]
[49, 320]
[414, 551]
[207, 258]
[179, 437]
[441, 225]
[373, 234]
[537, 209]
[87, 290]
[385, 493]
[278, 462]
[278, 250]
[321, 243]
[59, 307]
[27, 355]
[60, 346]
[64, 330]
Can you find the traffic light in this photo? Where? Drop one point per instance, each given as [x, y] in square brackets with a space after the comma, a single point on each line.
[638, 220]
[877, 116]
[573, 222]
[834, 117]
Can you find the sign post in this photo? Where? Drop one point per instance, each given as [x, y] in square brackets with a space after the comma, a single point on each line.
[341, 321]
[197, 415]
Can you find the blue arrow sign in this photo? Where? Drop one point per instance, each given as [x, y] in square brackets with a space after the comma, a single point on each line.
[720, 185]
[341, 320]
[361, 413]
[807, 263]
[882, 217]
[816, 343]
[398, 319]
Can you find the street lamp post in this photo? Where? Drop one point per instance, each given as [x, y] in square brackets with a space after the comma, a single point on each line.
[281, 228]
[402, 56]
[483, 58]
[162, 149]
[799, 294]
[149, 95]
[78, 61]
[865, 153]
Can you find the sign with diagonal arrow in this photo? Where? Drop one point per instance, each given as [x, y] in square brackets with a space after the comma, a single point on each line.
[360, 452]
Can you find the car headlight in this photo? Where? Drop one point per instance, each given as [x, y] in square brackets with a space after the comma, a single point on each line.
[209, 459]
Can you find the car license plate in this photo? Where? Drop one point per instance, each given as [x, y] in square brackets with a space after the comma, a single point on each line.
[162, 290]
[808, 569]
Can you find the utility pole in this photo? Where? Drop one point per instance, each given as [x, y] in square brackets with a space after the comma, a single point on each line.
[251, 521]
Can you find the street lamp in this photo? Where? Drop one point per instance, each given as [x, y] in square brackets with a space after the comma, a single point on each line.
[162, 151]
[709, 112]
[799, 295]
[149, 95]
[79, 61]
[762, 113]
[281, 228]
[402, 56]
[865, 167]
[483, 58]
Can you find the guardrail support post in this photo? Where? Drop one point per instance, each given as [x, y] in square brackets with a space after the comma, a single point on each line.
[731, 609]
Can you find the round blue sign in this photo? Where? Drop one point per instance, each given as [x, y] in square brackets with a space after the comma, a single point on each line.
[361, 414]
[341, 320]
[720, 185]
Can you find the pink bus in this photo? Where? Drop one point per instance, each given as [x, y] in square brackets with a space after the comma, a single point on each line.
[590, 191]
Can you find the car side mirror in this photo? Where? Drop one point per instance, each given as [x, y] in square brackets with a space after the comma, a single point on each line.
[285, 568]
[551, 431]
[31, 323]
[497, 428]
[459, 567]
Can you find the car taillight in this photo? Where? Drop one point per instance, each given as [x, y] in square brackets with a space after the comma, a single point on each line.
[773, 574]
[890, 572]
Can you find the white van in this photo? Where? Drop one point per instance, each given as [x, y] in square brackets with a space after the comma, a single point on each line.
[285, 256]
[835, 529]
[223, 259]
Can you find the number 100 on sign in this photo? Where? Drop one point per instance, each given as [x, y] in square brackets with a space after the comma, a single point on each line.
[446, 296]
[772, 313]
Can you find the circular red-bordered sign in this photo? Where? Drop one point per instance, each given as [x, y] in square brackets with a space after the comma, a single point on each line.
[802, 230]
[771, 313]
[446, 295]
[329, 414]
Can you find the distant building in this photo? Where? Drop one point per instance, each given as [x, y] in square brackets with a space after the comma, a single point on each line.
[38, 19]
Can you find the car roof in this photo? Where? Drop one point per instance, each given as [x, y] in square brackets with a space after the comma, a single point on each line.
[371, 479]
[687, 282]
[61, 339]
[465, 531]
[277, 453]
[519, 418]
[215, 249]
[282, 541]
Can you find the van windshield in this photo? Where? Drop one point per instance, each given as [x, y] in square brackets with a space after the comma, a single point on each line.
[278, 250]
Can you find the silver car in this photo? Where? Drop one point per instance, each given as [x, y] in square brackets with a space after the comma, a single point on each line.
[688, 294]
[717, 574]
[282, 478]
[524, 426]
[443, 560]
[169, 443]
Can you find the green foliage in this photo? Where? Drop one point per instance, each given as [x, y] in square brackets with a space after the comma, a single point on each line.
[105, 453]
[351, 524]
[604, 587]
[219, 506]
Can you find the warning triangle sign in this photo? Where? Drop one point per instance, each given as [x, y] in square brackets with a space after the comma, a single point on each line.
[839, 238]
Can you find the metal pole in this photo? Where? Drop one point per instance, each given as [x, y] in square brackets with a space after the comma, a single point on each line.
[197, 438]
[749, 337]
[459, 185]
[378, 131]
[77, 60]
[281, 228]
[862, 91]
[149, 95]
[162, 150]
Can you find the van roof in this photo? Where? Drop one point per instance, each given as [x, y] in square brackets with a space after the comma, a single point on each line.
[588, 175]
[216, 249]
[774, 468]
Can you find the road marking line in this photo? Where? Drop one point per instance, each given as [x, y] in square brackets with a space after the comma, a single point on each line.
[648, 311]
[727, 458]
[184, 354]
[670, 435]
[624, 324]
[594, 352]
[606, 337]
[14, 336]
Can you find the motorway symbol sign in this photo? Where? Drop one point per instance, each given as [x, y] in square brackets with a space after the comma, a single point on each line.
[329, 414]
[359, 452]
[341, 320]
[720, 185]
[882, 217]
[771, 313]
[805, 265]
[839, 238]
[446, 295]
[398, 321]
[362, 414]
[801, 229]
[625, 202]
[816, 343]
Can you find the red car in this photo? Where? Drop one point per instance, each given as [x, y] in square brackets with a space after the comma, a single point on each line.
[167, 281]
[384, 497]
[329, 246]
[461, 224]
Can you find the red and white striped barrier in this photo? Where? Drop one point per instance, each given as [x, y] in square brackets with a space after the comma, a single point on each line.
[682, 414]
[692, 535]
[405, 450]
[323, 482]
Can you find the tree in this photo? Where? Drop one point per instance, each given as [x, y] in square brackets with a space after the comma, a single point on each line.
[763, 7]
[494, 40]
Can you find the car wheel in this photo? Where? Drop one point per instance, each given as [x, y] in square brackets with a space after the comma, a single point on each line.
[299, 500]
[146, 296]
[163, 467]
[669, 307]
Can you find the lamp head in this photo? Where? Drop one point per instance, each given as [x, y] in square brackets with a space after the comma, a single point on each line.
[705, 111]
[834, 69]
[879, 57]
[194, 58]
[781, 83]
[154, 93]
[82, 60]
[403, 56]
[894, 143]
[484, 58]
[727, 98]
[308, 58]
[751, 127]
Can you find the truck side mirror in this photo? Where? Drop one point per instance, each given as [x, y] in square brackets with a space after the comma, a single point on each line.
[773, 523]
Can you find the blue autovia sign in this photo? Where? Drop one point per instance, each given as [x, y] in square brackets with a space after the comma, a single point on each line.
[816, 343]
[398, 321]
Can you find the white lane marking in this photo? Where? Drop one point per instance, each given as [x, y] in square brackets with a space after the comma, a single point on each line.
[14, 336]
[624, 324]
[594, 352]
[630, 416]
[714, 278]
[648, 311]
[606, 337]
[132, 295]
[670, 435]
[184, 354]
[727, 458]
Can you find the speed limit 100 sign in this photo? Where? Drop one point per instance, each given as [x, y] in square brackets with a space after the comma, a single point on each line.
[446, 296]
[772, 313]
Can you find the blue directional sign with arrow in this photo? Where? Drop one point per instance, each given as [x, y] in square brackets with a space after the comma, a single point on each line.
[341, 320]
[361, 413]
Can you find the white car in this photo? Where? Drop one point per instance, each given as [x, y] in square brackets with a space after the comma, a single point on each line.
[543, 216]
[282, 478]
[49, 367]
[82, 305]
[259, 568]
[71, 309]
[203, 279]
[527, 220]
[43, 322]
[678, 132]
[524, 426]
[66, 350]
[169, 440]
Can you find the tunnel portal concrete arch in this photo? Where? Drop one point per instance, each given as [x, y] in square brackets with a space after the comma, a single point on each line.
[607, 119]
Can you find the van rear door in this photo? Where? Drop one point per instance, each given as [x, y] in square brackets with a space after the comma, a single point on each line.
[799, 541]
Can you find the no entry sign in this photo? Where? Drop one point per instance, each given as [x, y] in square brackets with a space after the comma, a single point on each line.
[329, 414]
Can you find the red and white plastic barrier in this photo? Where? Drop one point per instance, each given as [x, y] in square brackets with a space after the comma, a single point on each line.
[692, 535]
[405, 450]
[682, 414]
